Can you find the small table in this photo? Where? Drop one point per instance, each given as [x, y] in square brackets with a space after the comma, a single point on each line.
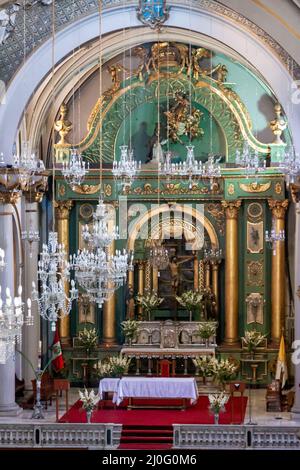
[236, 387]
[59, 385]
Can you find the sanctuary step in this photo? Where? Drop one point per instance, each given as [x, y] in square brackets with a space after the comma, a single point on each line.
[146, 436]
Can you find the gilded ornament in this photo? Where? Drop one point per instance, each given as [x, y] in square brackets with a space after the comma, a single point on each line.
[231, 189]
[216, 210]
[231, 208]
[108, 190]
[295, 192]
[255, 273]
[278, 208]
[182, 119]
[62, 126]
[278, 188]
[63, 209]
[278, 125]
[255, 187]
[86, 188]
[61, 189]
[254, 212]
[9, 197]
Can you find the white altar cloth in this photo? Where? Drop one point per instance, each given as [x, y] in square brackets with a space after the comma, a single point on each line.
[157, 387]
[108, 385]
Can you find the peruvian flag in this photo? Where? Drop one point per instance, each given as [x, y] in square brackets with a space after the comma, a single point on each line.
[57, 357]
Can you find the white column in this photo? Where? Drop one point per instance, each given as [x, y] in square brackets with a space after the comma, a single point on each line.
[296, 407]
[31, 334]
[8, 406]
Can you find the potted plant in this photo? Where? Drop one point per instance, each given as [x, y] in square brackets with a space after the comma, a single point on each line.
[191, 300]
[88, 338]
[217, 402]
[206, 330]
[252, 340]
[205, 365]
[89, 401]
[149, 302]
[129, 328]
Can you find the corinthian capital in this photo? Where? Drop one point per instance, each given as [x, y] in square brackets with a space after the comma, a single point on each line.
[63, 208]
[278, 208]
[231, 208]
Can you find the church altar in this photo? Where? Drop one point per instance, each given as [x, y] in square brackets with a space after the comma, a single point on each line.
[156, 388]
[171, 340]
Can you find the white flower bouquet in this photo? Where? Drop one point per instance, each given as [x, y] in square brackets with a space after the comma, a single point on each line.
[89, 399]
[149, 302]
[129, 328]
[252, 339]
[217, 401]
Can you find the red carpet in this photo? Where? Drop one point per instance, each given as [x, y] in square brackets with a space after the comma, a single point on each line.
[197, 414]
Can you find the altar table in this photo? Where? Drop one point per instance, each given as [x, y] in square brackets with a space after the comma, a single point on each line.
[157, 388]
[108, 385]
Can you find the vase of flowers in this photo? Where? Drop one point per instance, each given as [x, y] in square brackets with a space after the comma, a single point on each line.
[149, 302]
[89, 401]
[205, 365]
[206, 330]
[191, 300]
[224, 370]
[114, 366]
[252, 340]
[217, 402]
[129, 328]
[88, 338]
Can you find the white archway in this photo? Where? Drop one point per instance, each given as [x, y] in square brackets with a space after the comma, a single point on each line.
[201, 21]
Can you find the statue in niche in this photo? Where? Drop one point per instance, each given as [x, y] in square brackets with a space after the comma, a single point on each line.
[209, 306]
[130, 304]
[156, 154]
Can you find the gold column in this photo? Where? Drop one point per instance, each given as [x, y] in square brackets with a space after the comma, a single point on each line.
[140, 283]
[215, 281]
[207, 273]
[231, 271]
[278, 209]
[196, 273]
[155, 279]
[131, 278]
[62, 223]
[109, 313]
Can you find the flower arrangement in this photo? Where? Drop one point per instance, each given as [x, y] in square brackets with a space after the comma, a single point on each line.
[207, 329]
[217, 402]
[206, 365]
[89, 399]
[224, 371]
[149, 302]
[252, 339]
[88, 339]
[129, 328]
[191, 300]
[114, 366]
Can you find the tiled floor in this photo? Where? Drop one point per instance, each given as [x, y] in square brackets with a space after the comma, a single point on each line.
[258, 411]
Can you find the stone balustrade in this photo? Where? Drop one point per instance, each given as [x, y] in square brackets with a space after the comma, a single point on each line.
[236, 437]
[46, 435]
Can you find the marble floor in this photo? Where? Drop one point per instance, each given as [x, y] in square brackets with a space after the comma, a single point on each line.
[259, 415]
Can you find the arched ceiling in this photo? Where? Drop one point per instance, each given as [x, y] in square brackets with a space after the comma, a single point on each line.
[276, 23]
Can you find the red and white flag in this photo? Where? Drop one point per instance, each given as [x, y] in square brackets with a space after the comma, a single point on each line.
[57, 356]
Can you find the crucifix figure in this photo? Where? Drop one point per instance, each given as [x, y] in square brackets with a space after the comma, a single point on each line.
[175, 271]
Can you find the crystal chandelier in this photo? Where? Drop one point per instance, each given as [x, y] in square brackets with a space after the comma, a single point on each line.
[11, 322]
[28, 165]
[99, 273]
[100, 234]
[213, 254]
[290, 166]
[127, 168]
[75, 170]
[31, 236]
[159, 257]
[53, 272]
[273, 237]
[251, 162]
[2, 259]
